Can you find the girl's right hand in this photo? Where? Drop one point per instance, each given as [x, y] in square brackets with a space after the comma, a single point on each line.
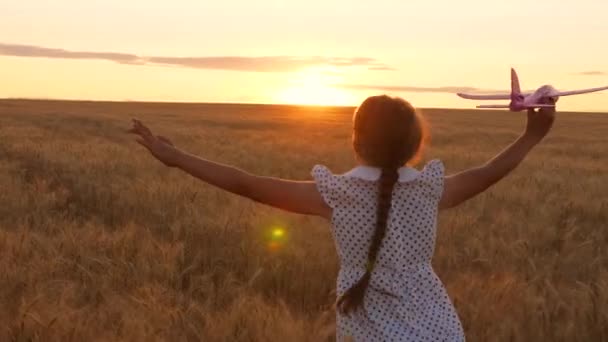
[160, 147]
[540, 122]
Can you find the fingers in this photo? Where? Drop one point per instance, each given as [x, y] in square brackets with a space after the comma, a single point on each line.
[145, 130]
[145, 135]
[549, 113]
[139, 126]
[136, 128]
[140, 129]
[548, 110]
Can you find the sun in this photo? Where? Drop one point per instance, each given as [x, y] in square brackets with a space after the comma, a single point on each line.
[313, 87]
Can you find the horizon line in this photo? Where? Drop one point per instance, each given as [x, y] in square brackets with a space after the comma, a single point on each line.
[32, 99]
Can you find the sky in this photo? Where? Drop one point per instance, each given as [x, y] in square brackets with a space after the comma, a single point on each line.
[329, 52]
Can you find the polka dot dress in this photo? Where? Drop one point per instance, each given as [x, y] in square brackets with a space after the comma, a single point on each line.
[405, 300]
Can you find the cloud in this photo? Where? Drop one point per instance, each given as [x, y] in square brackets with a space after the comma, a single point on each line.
[235, 63]
[592, 73]
[37, 51]
[261, 64]
[382, 68]
[413, 89]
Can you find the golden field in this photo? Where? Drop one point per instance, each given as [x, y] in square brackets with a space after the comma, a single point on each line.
[100, 242]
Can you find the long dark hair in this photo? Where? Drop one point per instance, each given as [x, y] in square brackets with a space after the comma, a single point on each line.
[388, 133]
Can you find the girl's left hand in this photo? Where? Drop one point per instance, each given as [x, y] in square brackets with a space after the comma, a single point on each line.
[160, 147]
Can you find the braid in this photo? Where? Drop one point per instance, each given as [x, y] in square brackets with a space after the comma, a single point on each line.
[387, 133]
[353, 297]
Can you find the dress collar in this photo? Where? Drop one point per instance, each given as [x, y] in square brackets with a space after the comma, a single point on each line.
[371, 173]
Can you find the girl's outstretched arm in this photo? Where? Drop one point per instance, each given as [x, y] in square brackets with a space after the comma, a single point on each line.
[295, 196]
[464, 185]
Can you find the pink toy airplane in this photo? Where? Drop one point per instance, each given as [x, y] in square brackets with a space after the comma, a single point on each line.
[545, 96]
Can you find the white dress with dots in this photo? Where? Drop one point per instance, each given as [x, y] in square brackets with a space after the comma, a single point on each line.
[405, 300]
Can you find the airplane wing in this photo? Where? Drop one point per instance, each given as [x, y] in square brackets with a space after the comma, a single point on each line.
[540, 106]
[484, 97]
[493, 106]
[577, 92]
[507, 106]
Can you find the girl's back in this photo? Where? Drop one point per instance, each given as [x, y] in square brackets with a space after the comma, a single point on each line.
[404, 300]
[383, 215]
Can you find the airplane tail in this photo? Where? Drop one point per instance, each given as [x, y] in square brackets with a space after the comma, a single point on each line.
[515, 89]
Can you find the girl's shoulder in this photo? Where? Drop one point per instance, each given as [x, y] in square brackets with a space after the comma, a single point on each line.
[334, 187]
[432, 169]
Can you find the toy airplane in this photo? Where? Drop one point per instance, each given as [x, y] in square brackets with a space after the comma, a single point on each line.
[545, 96]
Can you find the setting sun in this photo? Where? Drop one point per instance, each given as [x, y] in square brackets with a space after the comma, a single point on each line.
[313, 87]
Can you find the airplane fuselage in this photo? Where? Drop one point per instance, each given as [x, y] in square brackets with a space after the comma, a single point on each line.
[543, 95]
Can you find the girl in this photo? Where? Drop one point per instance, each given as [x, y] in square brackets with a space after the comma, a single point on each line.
[383, 216]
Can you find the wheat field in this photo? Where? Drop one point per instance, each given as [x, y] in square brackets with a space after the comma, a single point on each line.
[100, 242]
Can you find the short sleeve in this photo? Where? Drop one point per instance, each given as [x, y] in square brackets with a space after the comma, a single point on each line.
[327, 184]
[433, 175]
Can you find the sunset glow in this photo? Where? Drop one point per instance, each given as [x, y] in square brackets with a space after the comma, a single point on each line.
[314, 87]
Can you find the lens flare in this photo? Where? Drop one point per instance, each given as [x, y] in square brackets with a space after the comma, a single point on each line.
[278, 233]
[274, 246]
[277, 237]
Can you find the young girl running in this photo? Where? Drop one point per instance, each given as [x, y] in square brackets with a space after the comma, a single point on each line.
[383, 215]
